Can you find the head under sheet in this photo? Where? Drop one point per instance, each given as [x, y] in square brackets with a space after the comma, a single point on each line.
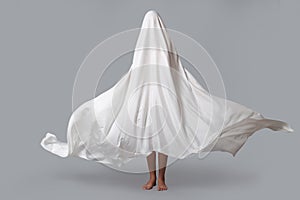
[154, 46]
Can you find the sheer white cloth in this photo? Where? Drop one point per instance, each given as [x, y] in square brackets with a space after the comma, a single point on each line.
[157, 106]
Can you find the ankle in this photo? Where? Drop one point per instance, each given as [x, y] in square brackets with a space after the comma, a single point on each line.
[152, 177]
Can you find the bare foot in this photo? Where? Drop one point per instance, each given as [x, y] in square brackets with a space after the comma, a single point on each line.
[149, 185]
[161, 184]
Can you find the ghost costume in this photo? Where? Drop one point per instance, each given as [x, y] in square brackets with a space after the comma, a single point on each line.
[157, 106]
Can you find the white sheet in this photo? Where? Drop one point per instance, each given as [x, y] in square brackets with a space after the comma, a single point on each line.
[157, 106]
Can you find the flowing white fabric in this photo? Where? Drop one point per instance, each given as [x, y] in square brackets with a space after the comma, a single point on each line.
[157, 106]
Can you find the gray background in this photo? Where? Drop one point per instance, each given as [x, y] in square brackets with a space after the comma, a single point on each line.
[42, 44]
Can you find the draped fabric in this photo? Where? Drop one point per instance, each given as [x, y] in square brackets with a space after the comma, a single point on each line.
[157, 106]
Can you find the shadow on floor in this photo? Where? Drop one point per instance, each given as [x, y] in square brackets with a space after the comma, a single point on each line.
[182, 175]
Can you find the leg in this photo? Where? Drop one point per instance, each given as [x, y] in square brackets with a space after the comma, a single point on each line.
[151, 160]
[162, 162]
